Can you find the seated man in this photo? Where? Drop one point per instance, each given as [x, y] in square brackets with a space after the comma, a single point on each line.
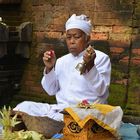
[62, 79]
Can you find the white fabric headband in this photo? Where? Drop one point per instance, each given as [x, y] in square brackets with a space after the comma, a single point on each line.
[80, 22]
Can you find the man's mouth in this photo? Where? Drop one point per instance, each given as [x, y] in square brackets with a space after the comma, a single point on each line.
[73, 48]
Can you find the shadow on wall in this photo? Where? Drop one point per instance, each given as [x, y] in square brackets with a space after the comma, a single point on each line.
[119, 76]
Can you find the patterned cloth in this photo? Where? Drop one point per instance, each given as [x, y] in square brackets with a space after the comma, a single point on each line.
[108, 117]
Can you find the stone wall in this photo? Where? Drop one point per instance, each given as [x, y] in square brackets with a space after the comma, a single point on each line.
[116, 31]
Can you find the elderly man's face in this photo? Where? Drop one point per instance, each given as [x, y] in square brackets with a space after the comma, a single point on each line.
[76, 41]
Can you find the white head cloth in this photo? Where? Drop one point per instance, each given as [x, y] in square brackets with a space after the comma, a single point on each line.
[80, 22]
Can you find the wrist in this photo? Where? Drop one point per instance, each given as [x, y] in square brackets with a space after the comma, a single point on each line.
[47, 70]
[89, 65]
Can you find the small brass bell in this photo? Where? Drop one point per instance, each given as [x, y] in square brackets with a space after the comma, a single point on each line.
[81, 67]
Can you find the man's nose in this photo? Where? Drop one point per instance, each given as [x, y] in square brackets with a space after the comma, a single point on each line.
[72, 40]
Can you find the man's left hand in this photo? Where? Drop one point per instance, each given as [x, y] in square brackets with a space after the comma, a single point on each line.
[89, 57]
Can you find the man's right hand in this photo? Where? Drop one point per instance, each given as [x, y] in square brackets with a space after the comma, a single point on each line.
[49, 60]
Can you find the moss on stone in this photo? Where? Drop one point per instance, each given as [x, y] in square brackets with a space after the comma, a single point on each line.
[117, 94]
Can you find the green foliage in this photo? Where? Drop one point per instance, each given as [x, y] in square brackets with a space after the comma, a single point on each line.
[6, 121]
[9, 122]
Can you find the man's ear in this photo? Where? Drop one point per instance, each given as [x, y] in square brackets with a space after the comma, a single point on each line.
[88, 39]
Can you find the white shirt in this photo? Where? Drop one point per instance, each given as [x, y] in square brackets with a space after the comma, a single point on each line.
[70, 88]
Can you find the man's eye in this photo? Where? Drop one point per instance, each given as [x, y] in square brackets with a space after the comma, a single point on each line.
[68, 37]
[77, 37]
